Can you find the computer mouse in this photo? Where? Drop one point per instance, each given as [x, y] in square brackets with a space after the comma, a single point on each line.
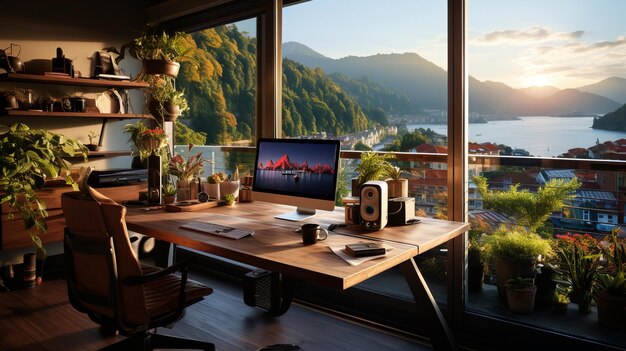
[335, 226]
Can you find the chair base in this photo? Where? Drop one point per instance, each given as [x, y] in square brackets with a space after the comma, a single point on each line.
[149, 341]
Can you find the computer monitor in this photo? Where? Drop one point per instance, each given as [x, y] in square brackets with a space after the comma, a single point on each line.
[297, 172]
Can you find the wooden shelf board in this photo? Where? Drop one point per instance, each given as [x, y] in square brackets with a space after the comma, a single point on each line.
[22, 113]
[85, 82]
[111, 153]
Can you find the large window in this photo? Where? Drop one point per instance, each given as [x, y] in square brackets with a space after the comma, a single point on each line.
[220, 86]
[374, 76]
[547, 78]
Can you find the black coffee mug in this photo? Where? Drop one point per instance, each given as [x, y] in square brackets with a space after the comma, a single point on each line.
[311, 233]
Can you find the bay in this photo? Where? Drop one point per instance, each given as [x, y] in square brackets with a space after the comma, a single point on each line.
[540, 135]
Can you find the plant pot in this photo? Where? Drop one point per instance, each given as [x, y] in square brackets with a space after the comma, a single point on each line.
[398, 188]
[212, 189]
[560, 307]
[521, 301]
[171, 111]
[611, 310]
[583, 299]
[475, 276]
[165, 67]
[229, 187]
[507, 268]
[183, 191]
[168, 199]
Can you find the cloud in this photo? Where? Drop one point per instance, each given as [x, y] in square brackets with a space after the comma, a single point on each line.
[526, 36]
[601, 45]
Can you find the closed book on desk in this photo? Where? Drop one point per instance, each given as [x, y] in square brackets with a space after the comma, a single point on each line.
[365, 249]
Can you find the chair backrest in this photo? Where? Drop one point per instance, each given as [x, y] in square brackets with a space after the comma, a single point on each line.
[97, 222]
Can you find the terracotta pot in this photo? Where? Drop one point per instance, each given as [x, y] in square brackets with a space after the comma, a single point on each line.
[171, 111]
[611, 310]
[168, 68]
[169, 199]
[507, 268]
[398, 187]
[521, 301]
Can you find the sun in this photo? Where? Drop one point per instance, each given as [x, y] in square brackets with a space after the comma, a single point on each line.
[535, 81]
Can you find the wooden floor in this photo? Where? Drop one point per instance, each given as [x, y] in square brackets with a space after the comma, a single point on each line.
[42, 319]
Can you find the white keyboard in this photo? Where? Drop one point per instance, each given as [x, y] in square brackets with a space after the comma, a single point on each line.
[218, 230]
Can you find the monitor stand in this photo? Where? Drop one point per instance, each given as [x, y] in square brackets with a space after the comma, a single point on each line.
[300, 214]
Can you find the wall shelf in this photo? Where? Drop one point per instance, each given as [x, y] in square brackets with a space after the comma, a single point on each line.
[22, 113]
[84, 82]
[112, 153]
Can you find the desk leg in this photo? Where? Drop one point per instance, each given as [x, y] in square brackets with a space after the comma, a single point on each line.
[281, 294]
[441, 336]
[163, 253]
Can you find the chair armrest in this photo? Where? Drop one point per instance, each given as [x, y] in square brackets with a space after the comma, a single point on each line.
[146, 278]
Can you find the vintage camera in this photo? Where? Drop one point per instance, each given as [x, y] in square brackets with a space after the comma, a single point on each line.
[374, 197]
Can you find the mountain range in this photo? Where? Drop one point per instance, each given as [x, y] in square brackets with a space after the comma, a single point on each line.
[284, 164]
[425, 84]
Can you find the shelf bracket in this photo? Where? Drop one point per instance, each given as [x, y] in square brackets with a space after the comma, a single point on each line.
[104, 123]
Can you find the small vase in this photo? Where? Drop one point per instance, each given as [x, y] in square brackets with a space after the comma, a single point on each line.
[229, 187]
[182, 190]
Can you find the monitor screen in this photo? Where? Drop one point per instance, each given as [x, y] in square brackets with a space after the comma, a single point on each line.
[298, 172]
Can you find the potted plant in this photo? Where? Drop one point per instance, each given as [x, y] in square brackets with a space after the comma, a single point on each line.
[185, 171]
[169, 193]
[231, 184]
[529, 209]
[561, 300]
[166, 103]
[579, 258]
[29, 156]
[159, 53]
[371, 167]
[213, 184]
[92, 146]
[520, 294]
[610, 294]
[145, 141]
[514, 252]
[229, 199]
[397, 186]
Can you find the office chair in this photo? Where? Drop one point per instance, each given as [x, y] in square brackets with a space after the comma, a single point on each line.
[107, 282]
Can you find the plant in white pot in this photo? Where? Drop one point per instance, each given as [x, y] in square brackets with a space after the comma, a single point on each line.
[212, 186]
[231, 185]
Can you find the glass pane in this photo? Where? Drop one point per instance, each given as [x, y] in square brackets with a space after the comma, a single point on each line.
[373, 76]
[220, 86]
[547, 80]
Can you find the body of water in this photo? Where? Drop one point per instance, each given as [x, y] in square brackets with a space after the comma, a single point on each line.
[541, 136]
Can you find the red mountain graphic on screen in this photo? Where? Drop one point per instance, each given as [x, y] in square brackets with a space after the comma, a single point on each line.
[283, 164]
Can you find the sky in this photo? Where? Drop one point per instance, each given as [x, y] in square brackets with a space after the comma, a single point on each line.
[563, 43]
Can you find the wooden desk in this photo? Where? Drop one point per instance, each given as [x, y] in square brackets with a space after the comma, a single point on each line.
[276, 247]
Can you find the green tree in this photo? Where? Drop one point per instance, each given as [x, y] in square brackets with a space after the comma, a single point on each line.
[530, 209]
[359, 146]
